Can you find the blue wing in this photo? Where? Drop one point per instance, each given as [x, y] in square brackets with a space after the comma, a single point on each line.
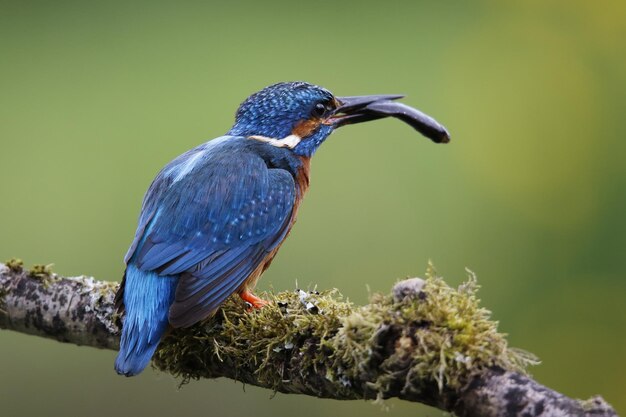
[212, 216]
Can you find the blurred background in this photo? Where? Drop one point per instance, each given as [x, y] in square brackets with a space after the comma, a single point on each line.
[95, 97]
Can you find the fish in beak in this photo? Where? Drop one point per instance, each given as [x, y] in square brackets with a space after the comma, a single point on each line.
[357, 109]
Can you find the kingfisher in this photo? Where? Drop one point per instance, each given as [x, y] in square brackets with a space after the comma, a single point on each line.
[214, 217]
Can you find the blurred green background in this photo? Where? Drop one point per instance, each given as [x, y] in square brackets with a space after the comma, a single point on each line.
[95, 97]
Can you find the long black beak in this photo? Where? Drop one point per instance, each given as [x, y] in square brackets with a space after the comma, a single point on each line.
[357, 109]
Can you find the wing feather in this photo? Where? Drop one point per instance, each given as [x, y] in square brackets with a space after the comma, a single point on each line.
[212, 216]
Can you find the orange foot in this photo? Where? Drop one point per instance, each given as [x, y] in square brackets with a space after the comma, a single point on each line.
[252, 299]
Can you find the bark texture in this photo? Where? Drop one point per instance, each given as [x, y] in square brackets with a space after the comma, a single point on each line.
[308, 343]
[75, 310]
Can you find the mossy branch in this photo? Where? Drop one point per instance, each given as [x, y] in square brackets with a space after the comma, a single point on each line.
[426, 342]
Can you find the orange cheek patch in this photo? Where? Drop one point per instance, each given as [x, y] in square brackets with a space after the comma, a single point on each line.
[305, 127]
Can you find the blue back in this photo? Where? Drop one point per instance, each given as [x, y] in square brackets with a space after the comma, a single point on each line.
[213, 214]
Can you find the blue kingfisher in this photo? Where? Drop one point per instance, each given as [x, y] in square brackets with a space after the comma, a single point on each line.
[214, 217]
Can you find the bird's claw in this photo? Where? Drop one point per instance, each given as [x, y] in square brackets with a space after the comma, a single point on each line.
[252, 300]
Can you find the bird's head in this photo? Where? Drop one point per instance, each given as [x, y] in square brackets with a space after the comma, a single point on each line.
[300, 116]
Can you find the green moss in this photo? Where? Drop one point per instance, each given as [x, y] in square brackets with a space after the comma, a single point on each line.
[440, 336]
[42, 273]
[106, 288]
[255, 339]
[15, 264]
[39, 270]
[448, 336]
[595, 405]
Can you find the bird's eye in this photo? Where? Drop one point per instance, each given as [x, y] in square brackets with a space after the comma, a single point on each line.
[319, 110]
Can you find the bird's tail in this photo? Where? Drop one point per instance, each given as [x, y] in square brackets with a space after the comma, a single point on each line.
[147, 298]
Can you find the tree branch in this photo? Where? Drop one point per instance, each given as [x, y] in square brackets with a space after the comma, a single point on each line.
[426, 342]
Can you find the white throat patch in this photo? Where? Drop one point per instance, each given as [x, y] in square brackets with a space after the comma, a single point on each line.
[290, 141]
